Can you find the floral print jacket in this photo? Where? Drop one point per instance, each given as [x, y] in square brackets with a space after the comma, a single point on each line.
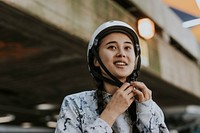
[79, 114]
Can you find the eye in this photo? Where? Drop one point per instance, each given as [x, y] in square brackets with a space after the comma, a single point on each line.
[112, 47]
[128, 48]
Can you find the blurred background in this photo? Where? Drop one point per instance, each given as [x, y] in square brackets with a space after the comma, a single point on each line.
[43, 57]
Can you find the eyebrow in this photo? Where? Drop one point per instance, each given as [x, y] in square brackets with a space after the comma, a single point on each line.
[111, 42]
[127, 42]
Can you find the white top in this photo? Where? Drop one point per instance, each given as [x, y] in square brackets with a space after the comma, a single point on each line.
[79, 114]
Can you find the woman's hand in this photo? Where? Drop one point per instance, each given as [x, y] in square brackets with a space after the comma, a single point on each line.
[119, 103]
[142, 93]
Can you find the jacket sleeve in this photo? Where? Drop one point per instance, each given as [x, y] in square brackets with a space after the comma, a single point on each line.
[70, 120]
[150, 118]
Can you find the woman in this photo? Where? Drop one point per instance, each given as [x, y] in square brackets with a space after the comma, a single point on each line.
[120, 104]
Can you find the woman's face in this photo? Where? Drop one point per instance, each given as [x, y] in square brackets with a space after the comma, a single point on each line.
[117, 54]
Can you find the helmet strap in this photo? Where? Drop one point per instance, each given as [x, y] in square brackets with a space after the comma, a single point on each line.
[137, 68]
[115, 81]
[99, 76]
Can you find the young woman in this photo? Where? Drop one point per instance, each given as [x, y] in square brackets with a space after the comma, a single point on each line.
[120, 104]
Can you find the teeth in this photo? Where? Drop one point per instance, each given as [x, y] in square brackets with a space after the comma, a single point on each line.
[120, 63]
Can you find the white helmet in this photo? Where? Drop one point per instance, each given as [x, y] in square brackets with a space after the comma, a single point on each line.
[92, 51]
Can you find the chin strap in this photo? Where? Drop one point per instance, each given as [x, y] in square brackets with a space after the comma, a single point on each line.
[99, 76]
[114, 80]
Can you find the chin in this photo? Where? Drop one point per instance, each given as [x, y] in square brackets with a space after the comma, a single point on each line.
[122, 79]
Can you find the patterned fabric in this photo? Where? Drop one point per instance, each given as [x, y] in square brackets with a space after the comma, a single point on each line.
[79, 114]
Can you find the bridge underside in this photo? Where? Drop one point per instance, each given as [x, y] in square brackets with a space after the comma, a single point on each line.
[41, 64]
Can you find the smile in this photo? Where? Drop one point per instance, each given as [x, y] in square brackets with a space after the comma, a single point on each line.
[120, 63]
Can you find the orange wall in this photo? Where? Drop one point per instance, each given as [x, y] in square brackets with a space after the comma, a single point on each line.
[188, 6]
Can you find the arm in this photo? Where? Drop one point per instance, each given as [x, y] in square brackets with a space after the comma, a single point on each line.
[118, 104]
[150, 118]
[70, 120]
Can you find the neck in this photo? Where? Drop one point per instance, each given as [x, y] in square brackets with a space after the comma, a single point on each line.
[111, 89]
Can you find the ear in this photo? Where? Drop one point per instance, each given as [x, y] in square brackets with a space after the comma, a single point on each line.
[96, 63]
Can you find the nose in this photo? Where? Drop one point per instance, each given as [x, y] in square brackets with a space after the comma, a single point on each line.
[121, 53]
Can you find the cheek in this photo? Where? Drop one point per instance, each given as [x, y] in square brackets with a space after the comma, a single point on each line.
[132, 58]
[105, 59]
[105, 56]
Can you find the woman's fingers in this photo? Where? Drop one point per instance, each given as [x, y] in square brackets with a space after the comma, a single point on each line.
[139, 95]
[124, 87]
[127, 90]
[141, 91]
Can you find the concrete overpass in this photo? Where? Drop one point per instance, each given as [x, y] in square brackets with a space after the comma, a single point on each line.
[43, 54]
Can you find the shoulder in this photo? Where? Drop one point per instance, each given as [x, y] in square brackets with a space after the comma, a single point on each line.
[80, 98]
[81, 95]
